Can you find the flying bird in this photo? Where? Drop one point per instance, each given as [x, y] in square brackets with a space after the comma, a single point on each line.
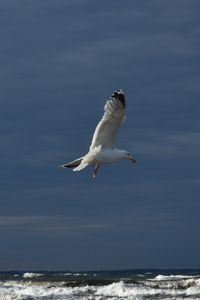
[102, 149]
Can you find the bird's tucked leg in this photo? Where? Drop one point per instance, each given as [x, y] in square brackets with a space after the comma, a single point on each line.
[96, 166]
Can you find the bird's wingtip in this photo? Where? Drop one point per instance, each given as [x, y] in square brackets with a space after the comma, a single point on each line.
[120, 91]
[119, 94]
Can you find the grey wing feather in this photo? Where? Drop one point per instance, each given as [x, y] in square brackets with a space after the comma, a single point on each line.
[73, 164]
[106, 131]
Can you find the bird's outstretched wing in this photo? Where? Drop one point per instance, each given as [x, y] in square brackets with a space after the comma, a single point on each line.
[106, 131]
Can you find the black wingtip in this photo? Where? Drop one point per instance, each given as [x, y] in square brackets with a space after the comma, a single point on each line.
[118, 94]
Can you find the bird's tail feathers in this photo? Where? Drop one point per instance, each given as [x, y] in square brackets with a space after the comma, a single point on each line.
[73, 164]
[81, 166]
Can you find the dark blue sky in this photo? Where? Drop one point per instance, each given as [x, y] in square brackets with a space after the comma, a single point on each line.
[60, 61]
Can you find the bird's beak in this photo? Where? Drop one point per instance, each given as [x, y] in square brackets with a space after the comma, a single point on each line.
[132, 159]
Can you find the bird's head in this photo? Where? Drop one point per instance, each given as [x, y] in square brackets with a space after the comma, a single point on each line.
[127, 155]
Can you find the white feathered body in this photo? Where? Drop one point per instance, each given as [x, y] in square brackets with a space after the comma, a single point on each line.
[103, 156]
[100, 156]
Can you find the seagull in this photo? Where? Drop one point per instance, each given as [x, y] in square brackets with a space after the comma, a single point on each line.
[102, 149]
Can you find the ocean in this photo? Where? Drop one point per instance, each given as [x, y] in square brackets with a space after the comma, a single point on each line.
[101, 285]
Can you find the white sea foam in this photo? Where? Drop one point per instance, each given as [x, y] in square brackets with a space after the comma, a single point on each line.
[64, 274]
[73, 274]
[195, 289]
[173, 284]
[79, 274]
[132, 291]
[120, 290]
[172, 277]
[12, 290]
[31, 275]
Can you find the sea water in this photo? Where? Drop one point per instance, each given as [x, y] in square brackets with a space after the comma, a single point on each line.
[100, 285]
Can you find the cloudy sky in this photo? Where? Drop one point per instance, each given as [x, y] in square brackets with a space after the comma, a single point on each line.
[60, 61]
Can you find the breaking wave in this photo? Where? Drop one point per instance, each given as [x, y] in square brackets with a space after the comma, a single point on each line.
[31, 275]
[99, 286]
